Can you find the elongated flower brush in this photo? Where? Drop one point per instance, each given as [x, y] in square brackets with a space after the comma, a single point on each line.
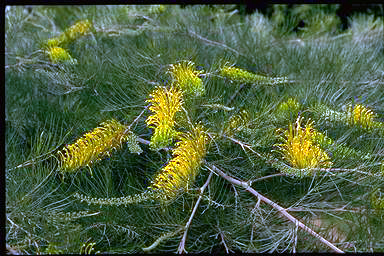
[360, 115]
[186, 78]
[59, 55]
[95, 145]
[300, 147]
[70, 34]
[243, 76]
[174, 178]
[165, 103]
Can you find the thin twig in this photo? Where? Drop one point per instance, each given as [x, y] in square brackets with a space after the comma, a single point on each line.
[266, 177]
[207, 41]
[181, 248]
[161, 238]
[137, 118]
[243, 145]
[283, 211]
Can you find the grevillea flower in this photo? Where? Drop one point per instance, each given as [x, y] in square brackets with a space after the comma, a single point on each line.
[173, 178]
[58, 54]
[185, 77]
[300, 148]
[72, 33]
[75, 31]
[93, 146]
[361, 116]
[183, 168]
[290, 106]
[165, 103]
[243, 76]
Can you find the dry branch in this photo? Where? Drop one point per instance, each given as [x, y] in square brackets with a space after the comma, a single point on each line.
[283, 211]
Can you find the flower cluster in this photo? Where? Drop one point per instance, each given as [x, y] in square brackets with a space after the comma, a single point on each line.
[93, 146]
[361, 116]
[54, 46]
[183, 168]
[72, 33]
[300, 147]
[165, 103]
[243, 76]
[58, 54]
[186, 78]
[173, 178]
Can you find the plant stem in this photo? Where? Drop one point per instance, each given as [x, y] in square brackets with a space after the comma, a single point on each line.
[283, 211]
[182, 242]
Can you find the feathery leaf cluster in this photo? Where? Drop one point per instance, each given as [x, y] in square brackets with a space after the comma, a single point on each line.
[329, 169]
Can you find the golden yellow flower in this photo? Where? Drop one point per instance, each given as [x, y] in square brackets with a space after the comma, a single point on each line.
[58, 54]
[93, 146]
[291, 105]
[361, 116]
[75, 31]
[165, 103]
[185, 77]
[173, 178]
[300, 148]
[243, 76]
[183, 168]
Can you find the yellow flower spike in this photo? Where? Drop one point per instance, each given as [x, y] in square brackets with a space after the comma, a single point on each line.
[173, 178]
[54, 42]
[165, 103]
[75, 31]
[243, 76]
[289, 107]
[58, 54]
[183, 168]
[93, 146]
[300, 148]
[186, 78]
[360, 115]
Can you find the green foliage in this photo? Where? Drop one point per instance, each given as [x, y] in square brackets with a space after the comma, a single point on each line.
[131, 61]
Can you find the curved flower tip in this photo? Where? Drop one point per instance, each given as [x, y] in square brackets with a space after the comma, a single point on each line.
[360, 115]
[165, 103]
[80, 28]
[93, 146]
[300, 148]
[243, 76]
[183, 168]
[186, 78]
[58, 54]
